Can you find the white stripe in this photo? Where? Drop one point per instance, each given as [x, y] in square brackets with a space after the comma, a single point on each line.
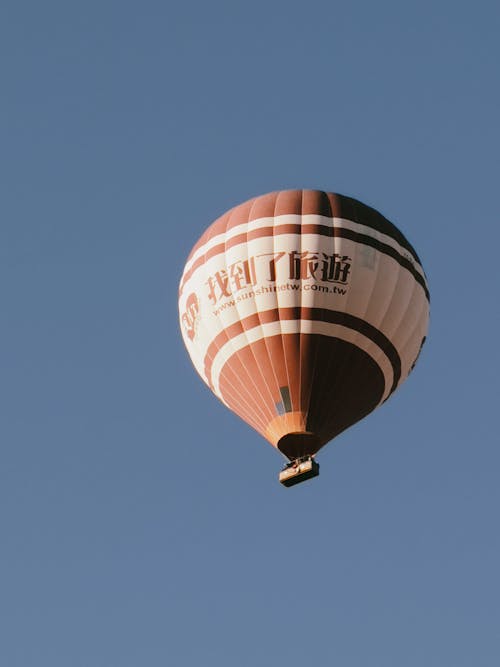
[234, 231]
[310, 218]
[359, 228]
[302, 326]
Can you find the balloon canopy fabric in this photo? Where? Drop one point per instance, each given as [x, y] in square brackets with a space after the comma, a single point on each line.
[303, 311]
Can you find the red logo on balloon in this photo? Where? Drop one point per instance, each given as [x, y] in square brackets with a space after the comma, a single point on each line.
[190, 315]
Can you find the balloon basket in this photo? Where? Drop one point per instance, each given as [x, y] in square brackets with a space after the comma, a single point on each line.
[299, 471]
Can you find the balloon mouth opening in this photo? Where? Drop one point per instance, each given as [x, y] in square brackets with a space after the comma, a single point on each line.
[297, 445]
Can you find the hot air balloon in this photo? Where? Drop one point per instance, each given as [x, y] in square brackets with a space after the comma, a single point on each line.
[303, 311]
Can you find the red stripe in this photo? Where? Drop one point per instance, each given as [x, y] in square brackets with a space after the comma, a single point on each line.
[304, 202]
[311, 314]
[321, 230]
[236, 240]
[271, 231]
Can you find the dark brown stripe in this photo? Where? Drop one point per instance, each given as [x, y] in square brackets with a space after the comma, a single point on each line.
[312, 314]
[304, 202]
[321, 230]
[352, 209]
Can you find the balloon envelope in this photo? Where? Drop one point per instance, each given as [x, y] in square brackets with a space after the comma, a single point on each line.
[303, 311]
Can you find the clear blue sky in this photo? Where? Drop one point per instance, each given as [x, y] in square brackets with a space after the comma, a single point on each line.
[140, 522]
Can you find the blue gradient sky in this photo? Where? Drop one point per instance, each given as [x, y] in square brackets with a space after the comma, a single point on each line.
[140, 522]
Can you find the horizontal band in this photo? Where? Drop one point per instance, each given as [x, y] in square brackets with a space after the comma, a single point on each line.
[298, 229]
[303, 203]
[215, 359]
